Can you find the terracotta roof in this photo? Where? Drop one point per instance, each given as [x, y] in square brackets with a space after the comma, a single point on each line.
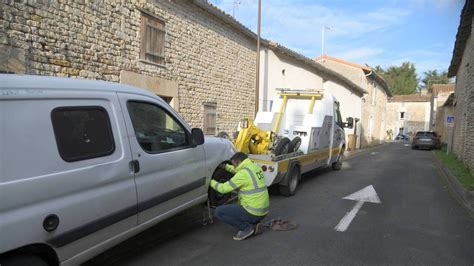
[437, 88]
[367, 70]
[464, 32]
[327, 57]
[411, 98]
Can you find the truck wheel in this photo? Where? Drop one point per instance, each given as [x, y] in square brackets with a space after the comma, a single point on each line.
[293, 180]
[294, 144]
[216, 198]
[282, 146]
[337, 165]
[23, 260]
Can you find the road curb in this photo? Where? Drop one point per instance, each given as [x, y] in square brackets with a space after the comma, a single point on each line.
[463, 195]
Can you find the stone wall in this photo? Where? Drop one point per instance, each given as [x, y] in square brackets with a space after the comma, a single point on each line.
[441, 126]
[375, 110]
[464, 106]
[417, 117]
[207, 59]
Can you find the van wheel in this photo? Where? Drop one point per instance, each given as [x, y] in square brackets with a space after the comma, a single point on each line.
[294, 178]
[294, 144]
[23, 260]
[216, 198]
[282, 146]
[337, 165]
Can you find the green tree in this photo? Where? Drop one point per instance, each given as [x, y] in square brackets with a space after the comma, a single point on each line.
[400, 79]
[433, 77]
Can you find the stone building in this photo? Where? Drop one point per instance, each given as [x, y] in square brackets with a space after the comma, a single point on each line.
[439, 95]
[372, 126]
[445, 108]
[281, 67]
[408, 114]
[199, 59]
[462, 67]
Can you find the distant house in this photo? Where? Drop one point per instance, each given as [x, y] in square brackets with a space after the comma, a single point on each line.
[372, 126]
[408, 114]
[462, 67]
[439, 95]
[281, 67]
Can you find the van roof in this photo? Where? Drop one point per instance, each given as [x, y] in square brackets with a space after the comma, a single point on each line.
[13, 81]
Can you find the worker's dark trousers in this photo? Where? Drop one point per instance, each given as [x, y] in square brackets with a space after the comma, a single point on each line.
[237, 216]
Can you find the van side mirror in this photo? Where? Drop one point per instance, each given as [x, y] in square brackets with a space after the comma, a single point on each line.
[349, 123]
[197, 136]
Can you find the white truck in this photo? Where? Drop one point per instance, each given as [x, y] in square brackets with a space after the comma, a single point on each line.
[310, 118]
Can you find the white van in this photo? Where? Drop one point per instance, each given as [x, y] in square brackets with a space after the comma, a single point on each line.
[87, 164]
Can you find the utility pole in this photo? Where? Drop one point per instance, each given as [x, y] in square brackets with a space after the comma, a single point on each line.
[258, 57]
[323, 29]
[235, 5]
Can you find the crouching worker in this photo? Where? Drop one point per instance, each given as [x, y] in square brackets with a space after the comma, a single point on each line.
[253, 202]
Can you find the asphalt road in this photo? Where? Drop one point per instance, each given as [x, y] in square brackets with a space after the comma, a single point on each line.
[417, 222]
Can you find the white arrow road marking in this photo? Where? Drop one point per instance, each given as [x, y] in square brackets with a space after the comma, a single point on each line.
[366, 194]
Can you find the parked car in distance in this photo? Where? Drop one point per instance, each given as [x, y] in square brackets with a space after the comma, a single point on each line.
[426, 140]
[86, 164]
[402, 137]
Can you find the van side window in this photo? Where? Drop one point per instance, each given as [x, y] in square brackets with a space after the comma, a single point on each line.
[337, 114]
[155, 129]
[82, 132]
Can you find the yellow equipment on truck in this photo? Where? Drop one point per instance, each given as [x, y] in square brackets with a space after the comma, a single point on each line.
[306, 133]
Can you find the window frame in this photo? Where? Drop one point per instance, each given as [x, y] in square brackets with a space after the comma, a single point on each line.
[205, 113]
[82, 108]
[186, 130]
[145, 16]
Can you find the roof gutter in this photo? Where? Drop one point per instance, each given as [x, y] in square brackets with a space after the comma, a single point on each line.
[380, 80]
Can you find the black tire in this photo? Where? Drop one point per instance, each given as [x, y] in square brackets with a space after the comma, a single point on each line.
[282, 146]
[337, 165]
[414, 147]
[293, 181]
[216, 198]
[223, 135]
[294, 144]
[23, 260]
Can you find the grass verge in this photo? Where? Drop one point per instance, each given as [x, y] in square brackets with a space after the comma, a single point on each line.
[456, 167]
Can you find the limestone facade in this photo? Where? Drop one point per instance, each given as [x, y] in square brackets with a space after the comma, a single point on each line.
[372, 126]
[208, 58]
[408, 114]
[462, 67]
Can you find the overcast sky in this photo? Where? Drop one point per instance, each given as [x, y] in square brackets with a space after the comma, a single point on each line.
[373, 32]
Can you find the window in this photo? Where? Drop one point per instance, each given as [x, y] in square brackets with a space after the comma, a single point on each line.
[153, 39]
[210, 116]
[402, 115]
[374, 93]
[155, 129]
[82, 132]
[337, 114]
[371, 127]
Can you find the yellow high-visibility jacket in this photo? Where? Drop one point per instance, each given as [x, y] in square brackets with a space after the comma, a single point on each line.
[249, 180]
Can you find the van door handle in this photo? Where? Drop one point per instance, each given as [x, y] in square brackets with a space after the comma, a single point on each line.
[135, 166]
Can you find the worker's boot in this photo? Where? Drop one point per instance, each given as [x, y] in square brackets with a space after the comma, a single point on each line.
[258, 228]
[241, 235]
